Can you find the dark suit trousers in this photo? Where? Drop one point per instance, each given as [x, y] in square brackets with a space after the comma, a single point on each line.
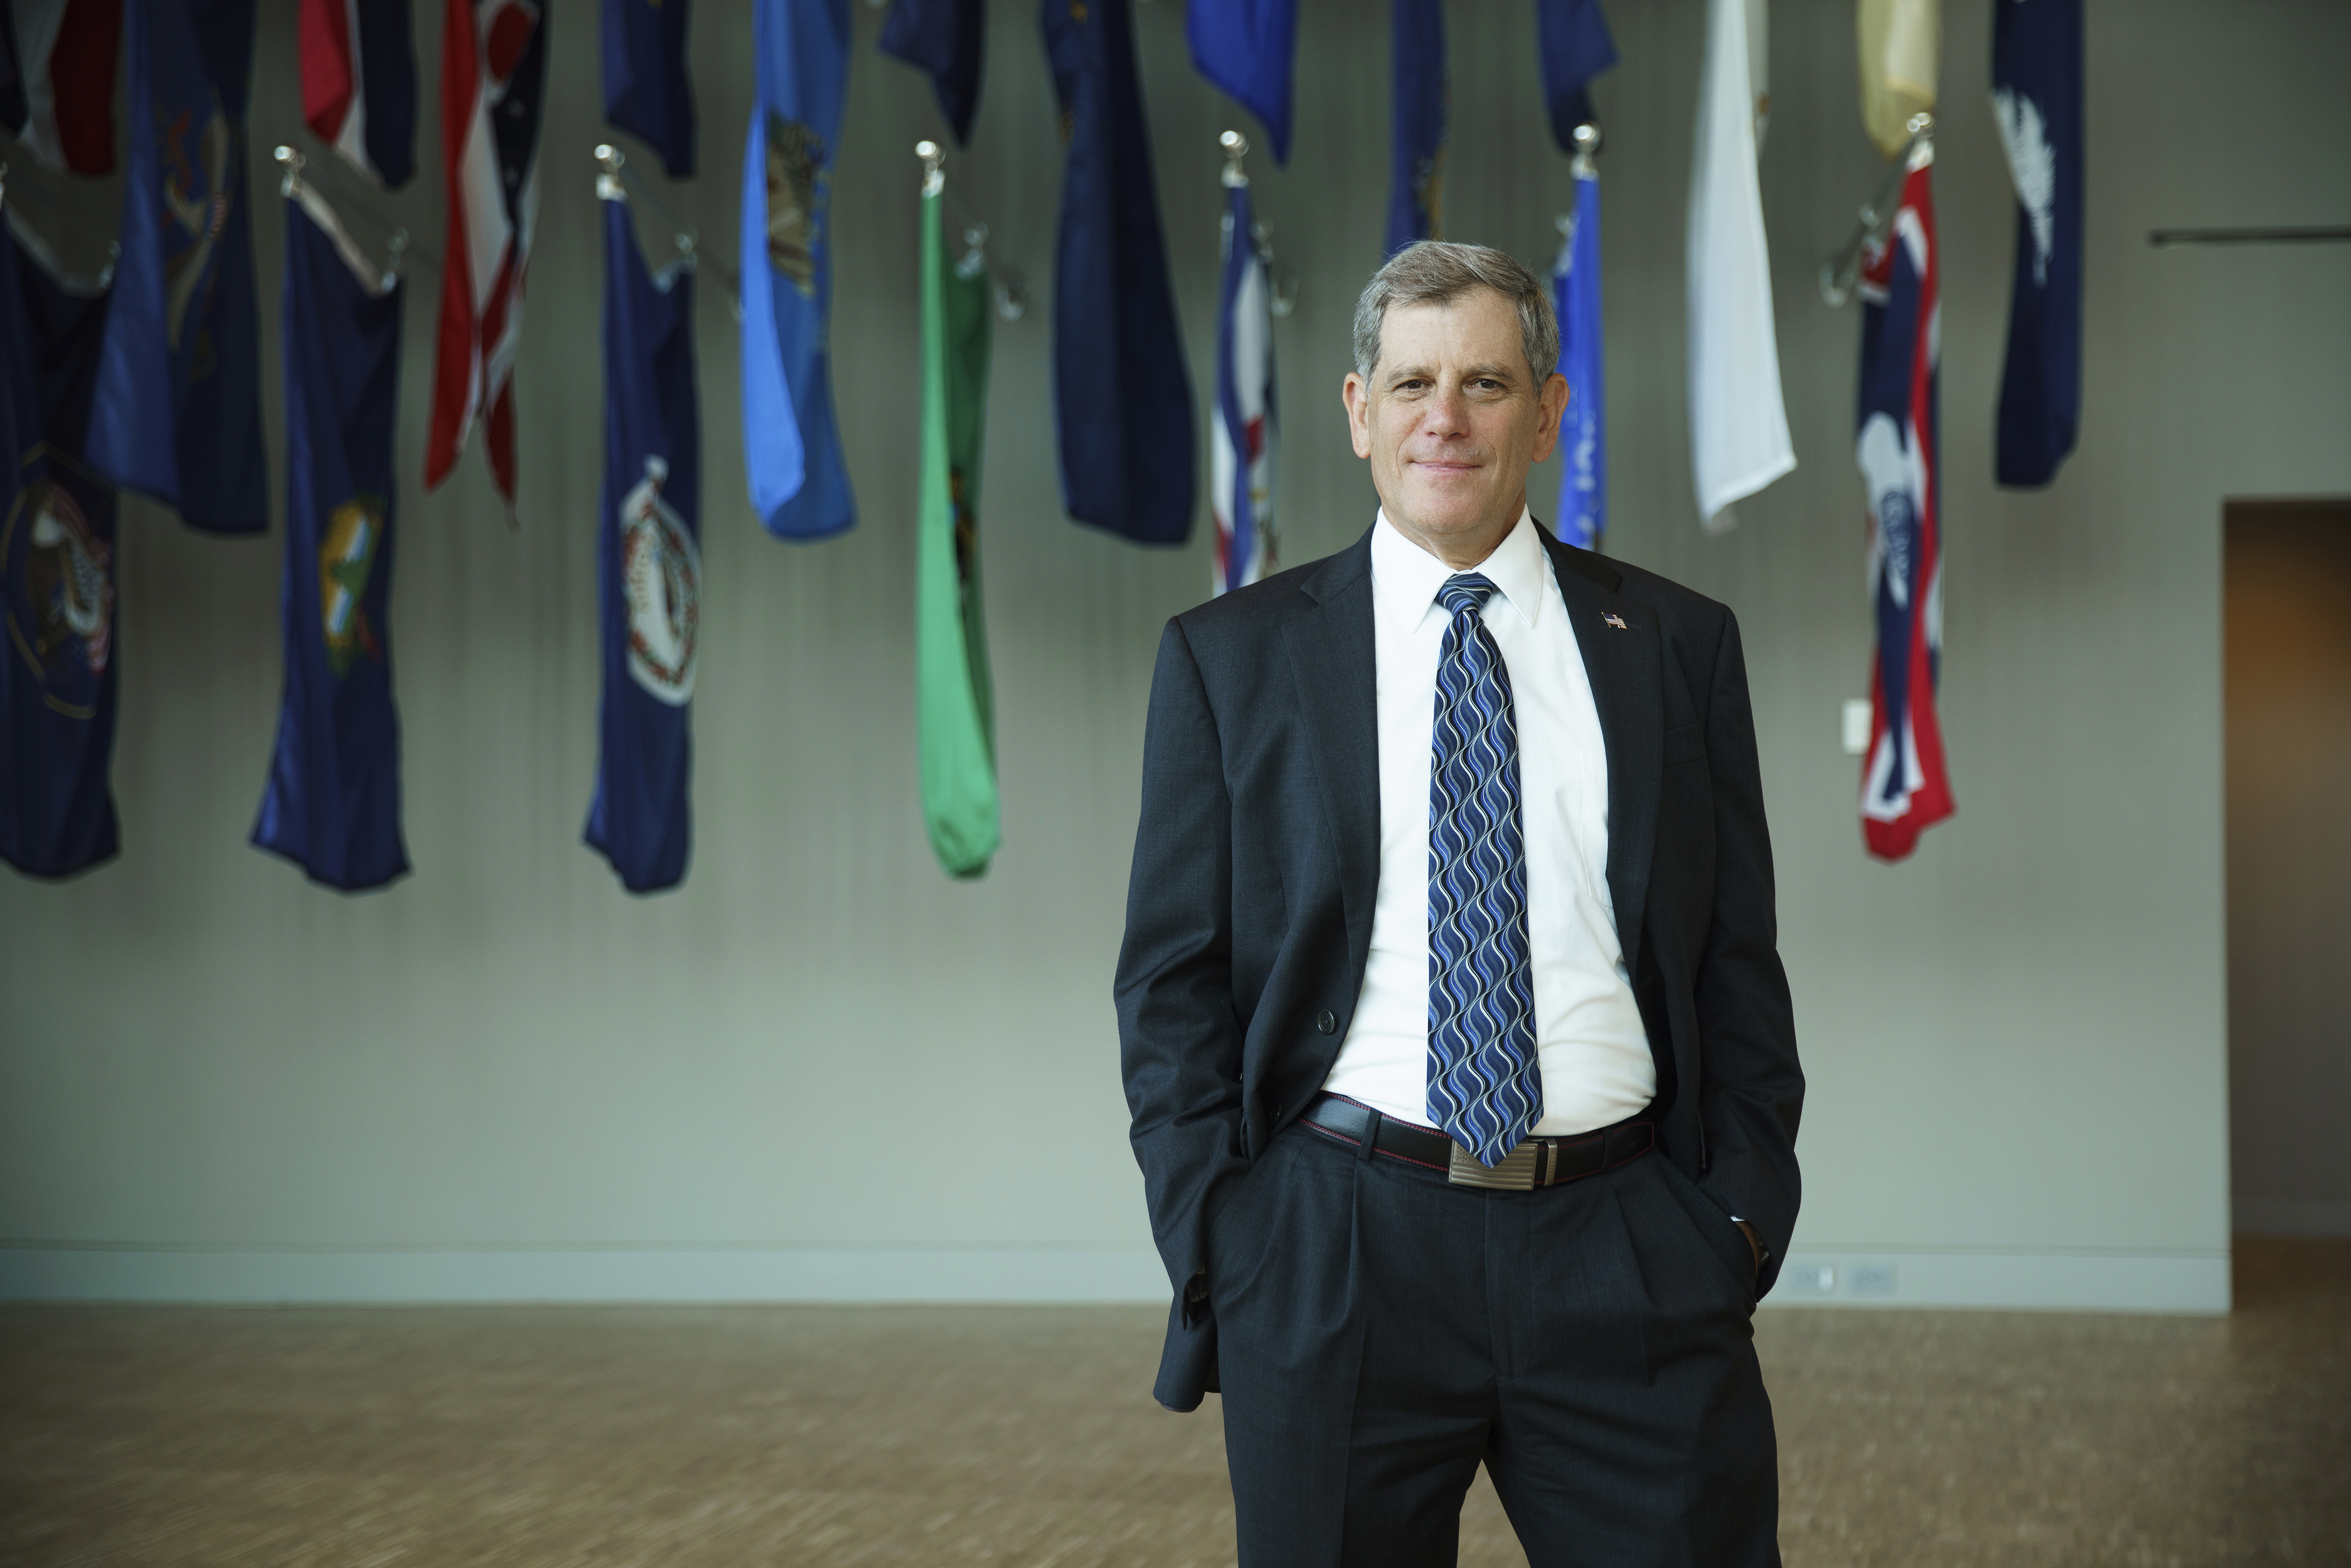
[1380, 1332]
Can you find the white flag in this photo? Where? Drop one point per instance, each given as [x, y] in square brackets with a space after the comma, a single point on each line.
[1739, 426]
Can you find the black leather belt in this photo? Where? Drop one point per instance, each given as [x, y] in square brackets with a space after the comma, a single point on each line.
[1536, 1162]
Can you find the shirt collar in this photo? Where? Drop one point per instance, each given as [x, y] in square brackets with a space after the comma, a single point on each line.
[1406, 578]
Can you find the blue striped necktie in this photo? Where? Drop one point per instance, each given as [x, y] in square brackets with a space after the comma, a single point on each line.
[1485, 1084]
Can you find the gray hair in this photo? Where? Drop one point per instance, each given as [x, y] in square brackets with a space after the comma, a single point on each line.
[1437, 272]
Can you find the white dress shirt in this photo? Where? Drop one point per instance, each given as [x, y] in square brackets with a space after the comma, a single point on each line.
[1594, 1051]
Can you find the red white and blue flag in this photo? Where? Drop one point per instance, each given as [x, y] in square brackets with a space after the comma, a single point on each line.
[358, 83]
[492, 81]
[1241, 434]
[1905, 788]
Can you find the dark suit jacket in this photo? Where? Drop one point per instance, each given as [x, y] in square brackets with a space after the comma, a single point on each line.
[1248, 913]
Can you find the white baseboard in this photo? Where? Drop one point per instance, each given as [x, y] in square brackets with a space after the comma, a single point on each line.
[2195, 1283]
[94, 1273]
[2029, 1282]
[2257, 1216]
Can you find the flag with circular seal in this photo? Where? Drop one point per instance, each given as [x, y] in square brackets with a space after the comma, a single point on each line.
[58, 651]
[332, 802]
[648, 562]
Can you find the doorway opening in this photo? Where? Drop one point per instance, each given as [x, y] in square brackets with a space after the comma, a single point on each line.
[2286, 707]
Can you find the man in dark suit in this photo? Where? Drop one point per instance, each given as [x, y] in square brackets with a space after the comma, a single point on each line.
[1460, 1056]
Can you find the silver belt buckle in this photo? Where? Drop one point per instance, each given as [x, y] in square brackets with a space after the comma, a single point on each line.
[1515, 1173]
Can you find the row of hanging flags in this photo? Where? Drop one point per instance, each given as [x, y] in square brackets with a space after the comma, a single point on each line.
[2037, 99]
[152, 383]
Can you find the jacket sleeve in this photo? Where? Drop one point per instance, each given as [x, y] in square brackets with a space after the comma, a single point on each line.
[1179, 1037]
[1751, 1090]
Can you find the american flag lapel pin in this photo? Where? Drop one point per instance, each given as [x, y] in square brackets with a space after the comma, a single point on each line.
[1617, 621]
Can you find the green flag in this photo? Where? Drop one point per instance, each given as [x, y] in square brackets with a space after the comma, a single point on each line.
[954, 700]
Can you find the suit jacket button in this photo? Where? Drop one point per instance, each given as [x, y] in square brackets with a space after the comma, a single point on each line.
[1327, 1021]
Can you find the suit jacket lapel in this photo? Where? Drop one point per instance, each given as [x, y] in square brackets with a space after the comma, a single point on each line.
[1625, 668]
[1335, 659]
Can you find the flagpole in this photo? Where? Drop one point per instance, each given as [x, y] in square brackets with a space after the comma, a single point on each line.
[625, 185]
[1009, 286]
[1589, 139]
[1839, 270]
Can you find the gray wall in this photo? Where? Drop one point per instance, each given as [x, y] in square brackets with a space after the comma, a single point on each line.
[504, 1077]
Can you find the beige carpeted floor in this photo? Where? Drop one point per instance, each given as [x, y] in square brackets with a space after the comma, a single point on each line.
[742, 1436]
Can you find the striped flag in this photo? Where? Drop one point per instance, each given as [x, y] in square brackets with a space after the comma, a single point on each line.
[493, 78]
[358, 84]
[1241, 433]
[1905, 788]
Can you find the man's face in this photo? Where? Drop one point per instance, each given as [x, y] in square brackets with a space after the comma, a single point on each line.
[1452, 418]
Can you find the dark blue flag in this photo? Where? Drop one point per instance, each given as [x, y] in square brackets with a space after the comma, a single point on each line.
[1573, 37]
[2036, 80]
[791, 443]
[56, 581]
[945, 39]
[1121, 397]
[1416, 185]
[178, 407]
[332, 804]
[648, 563]
[1246, 47]
[645, 90]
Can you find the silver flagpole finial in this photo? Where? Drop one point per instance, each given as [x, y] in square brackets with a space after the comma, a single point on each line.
[608, 159]
[293, 162]
[934, 167]
[1236, 148]
[1588, 142]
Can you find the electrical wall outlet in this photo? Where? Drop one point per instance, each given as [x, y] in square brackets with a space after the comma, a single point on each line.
[1856, 726]
[1869, 1280]
[1807, 1276]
